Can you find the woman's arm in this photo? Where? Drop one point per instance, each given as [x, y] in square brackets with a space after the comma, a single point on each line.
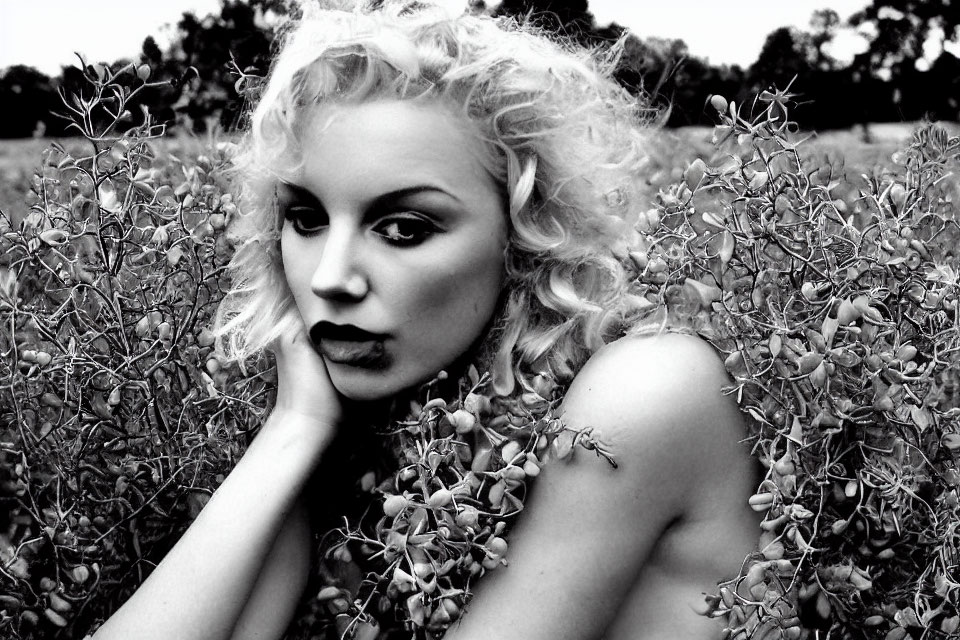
[202, 586]
[281, 582]
[588, 530]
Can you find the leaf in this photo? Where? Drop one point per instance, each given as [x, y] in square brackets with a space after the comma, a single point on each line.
[775, 344]
[705, 294]
[809, 362]
[727, 246]
[920, 416]
[828, 328]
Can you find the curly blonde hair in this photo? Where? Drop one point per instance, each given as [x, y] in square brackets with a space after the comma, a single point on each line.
[564, 141]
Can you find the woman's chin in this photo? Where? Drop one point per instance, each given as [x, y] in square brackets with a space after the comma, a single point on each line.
[359, 386]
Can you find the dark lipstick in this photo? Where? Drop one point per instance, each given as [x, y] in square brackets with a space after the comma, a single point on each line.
[349, 345]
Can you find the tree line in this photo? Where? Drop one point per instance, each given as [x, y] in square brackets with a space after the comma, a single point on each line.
[896, 77]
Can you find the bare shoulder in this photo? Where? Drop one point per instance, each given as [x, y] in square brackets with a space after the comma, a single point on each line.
[590, 534]
[660, 397]
[669, 376]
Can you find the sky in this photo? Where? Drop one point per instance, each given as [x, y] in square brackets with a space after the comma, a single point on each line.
[45, 33]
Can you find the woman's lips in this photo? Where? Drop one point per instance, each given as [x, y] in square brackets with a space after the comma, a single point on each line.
[349, 345]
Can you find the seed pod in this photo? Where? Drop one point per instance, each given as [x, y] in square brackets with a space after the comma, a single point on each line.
[29, 619]
[718, 102]
[496, 546]
[531, 468]
[51, 400]
[440, 619]
[513, 473]
[906, 352]
[142, 327]
[55, 618]
[43, 358]
[205, 337]
[476, 404]
[773, 551]
[950, 625]
[164, 330]
[394, 505]
[366, 630]
[467, 516]
[426, 576]
[657, 265]
[510, 451]
[80, 574]
[463, 421]
[439, 498]
[342, 554]
[58, 604]
[784, 465]
[761, 501]
[452, 607]
[694, 173]
[481, 461]
[728, 598]
[328, 593]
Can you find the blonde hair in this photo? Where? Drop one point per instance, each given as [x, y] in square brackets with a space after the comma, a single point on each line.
[563, 140]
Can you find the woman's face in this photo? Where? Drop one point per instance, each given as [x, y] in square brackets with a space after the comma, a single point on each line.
[392, 243]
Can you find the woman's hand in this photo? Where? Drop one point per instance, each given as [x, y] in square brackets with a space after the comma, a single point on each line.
[201, 588]
[303, 385]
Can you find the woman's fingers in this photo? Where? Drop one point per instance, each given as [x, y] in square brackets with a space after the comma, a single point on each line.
[303, 384]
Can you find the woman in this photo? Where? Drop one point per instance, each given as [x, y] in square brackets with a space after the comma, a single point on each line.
[423, 193]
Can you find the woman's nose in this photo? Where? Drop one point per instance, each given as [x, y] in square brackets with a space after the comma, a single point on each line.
[338, 275]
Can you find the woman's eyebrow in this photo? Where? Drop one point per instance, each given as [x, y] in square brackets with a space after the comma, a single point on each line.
[287, 190]
[399, 194]
[290, 190]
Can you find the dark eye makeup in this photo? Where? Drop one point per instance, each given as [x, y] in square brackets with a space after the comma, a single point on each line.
[405, 228]
[397, 222]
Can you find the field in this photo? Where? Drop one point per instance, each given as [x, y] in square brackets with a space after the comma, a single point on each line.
[20, 158]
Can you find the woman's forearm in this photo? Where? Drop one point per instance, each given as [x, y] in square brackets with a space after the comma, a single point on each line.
[201, 587]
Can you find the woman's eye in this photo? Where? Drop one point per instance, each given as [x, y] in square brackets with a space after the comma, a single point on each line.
[407, 230]
[305, 220]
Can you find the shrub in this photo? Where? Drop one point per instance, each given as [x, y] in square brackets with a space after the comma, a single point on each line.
[114, 427]
[834, 302]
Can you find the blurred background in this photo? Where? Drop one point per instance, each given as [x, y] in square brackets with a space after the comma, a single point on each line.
[850, 62]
